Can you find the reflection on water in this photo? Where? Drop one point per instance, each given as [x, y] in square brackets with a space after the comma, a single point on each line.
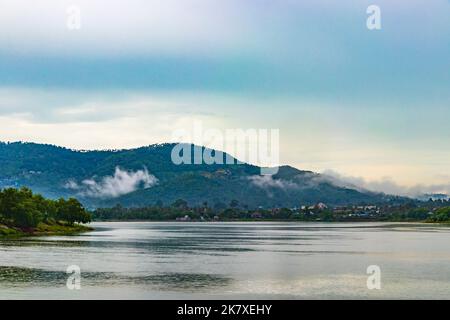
[231, 260]
[14, 276]
[17, 276]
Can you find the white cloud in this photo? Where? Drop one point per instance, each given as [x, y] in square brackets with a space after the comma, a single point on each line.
[385, 184]
[94, 120]
[267, 182]
[121, 183]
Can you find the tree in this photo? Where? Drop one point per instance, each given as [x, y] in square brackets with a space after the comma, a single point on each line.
[234, 203]
[220, 206]
[284, 213]
[21, 208]
[72, 210]
[27, 216]
[441, 215]
[180, 204]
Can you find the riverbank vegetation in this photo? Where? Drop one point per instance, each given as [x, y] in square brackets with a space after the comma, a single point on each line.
[441, 215]
[179, 210]
[22, 213]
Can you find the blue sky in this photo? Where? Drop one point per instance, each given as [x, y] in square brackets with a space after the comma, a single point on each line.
[372, 104]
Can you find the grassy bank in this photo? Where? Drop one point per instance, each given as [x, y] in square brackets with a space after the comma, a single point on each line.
[43, 229]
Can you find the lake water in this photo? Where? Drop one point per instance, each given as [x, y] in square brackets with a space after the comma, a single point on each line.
[184, 260]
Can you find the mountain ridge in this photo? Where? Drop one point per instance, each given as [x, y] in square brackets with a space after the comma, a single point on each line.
[146, 175]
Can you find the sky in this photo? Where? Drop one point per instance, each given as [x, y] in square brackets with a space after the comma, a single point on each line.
[369, 105]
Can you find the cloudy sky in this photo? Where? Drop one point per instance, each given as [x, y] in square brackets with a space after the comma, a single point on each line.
[371, 104]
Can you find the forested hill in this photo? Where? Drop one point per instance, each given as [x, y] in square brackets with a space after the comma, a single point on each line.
[146, 175]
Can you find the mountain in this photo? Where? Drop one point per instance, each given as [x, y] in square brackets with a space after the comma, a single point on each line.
[146, 175]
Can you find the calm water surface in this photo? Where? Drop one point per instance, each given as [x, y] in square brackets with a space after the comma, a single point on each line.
[169, 260]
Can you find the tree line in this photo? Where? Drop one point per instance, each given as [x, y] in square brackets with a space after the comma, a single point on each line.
[428, 211]
[24, 209]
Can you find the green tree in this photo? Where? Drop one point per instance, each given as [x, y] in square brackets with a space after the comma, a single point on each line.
[441, 215]
[19, 208]
[72, 211]
[180, 204]
[234, 203]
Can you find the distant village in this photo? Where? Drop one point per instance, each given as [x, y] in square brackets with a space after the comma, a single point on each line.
[401, 209]
[410, 211]
[322, 212]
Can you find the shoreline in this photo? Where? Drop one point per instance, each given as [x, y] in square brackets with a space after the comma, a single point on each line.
[77, 229]
[281, 220]
[43, 230]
